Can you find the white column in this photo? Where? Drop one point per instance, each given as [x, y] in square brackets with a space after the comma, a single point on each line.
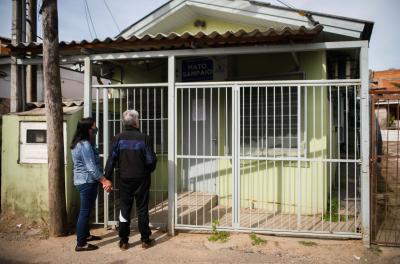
[87, 87]
[365, 130]
[171, 146]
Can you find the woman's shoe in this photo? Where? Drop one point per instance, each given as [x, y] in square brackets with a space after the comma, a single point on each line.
[87, 247]
[93, 238]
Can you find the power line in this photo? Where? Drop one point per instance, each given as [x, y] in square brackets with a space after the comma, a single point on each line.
[285, 4]
[87, 21]
[90, 17]
[109, 10]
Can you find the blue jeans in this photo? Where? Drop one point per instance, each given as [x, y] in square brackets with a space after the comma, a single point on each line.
[88, 194]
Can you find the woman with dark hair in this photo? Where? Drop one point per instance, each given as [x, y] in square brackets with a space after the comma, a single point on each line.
[87, 174]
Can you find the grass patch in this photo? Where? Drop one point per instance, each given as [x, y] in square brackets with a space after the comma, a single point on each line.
[256, 241]
[335, 211]
[218, 236]
[308, 243]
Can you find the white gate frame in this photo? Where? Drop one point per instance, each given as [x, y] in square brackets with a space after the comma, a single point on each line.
[362, 45]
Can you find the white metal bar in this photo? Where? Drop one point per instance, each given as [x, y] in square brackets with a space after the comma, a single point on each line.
[134, 100]
[188, 112]
[204, 150]
[299, 114]
[282, 174]
[127, 99]
[304, 150]
[243, 92]
[171, 146]
[87, 88]
[249, 179]
[131, 85]
[114, 176]
[105, 148]
[97, 145]
[189, 141]
[258, 153]
[274, 175]
[155, 145]
[249, 84]
[226, 150]
[338, 150]
[305, 120]
[290, 146]
[266, 152]
[347, 157]
[236, 154]
[315, 175]
[235, 207]
[211, 151]
[120, 110]
[330, 155]
[289, 159]
[141, 107]
[162, 142]
[301, 159]
[323, 118]
[218, 144]
[355, 157]
[196, 148]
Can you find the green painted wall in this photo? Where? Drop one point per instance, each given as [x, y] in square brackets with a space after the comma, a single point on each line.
[142, 74]
[270, 185]
[276, 186]
[24, 188]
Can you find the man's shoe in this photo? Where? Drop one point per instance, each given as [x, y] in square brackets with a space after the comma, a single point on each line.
[123, 246]
[93, 238]
[87, 247]
[148, 243]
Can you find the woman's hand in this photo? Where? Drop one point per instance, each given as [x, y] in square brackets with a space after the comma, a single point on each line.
[107, 184]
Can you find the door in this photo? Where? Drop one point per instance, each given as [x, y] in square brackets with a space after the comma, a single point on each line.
[204, 155]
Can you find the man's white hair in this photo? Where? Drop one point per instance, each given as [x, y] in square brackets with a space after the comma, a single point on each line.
[130, 118]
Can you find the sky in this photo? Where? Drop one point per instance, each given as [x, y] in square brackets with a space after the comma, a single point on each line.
[384, 52]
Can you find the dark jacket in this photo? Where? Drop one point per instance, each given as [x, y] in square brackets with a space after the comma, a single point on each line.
[133, 151]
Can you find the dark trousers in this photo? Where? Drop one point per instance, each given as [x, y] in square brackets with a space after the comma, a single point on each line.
[88, 194]
[139, 190]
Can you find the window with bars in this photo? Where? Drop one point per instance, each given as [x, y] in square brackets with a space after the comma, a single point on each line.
[269, 120]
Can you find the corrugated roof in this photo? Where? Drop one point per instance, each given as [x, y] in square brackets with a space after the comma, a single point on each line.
[65, 103]
[42, 111]
[178, 41]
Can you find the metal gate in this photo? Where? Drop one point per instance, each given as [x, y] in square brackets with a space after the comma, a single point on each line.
[273, 157]
[385, 164]
[150, 100]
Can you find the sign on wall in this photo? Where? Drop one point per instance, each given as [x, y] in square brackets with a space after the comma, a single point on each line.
[201, 69]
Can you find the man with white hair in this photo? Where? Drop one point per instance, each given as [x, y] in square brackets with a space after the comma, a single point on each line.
[133, 152]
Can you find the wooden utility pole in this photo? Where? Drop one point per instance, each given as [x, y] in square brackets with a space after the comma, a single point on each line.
[31, 73]
[16, 73]
[54, 118]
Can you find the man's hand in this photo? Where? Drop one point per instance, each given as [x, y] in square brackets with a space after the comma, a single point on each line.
[107, 184]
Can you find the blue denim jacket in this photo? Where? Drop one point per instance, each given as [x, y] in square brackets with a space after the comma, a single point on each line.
[86, 160]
